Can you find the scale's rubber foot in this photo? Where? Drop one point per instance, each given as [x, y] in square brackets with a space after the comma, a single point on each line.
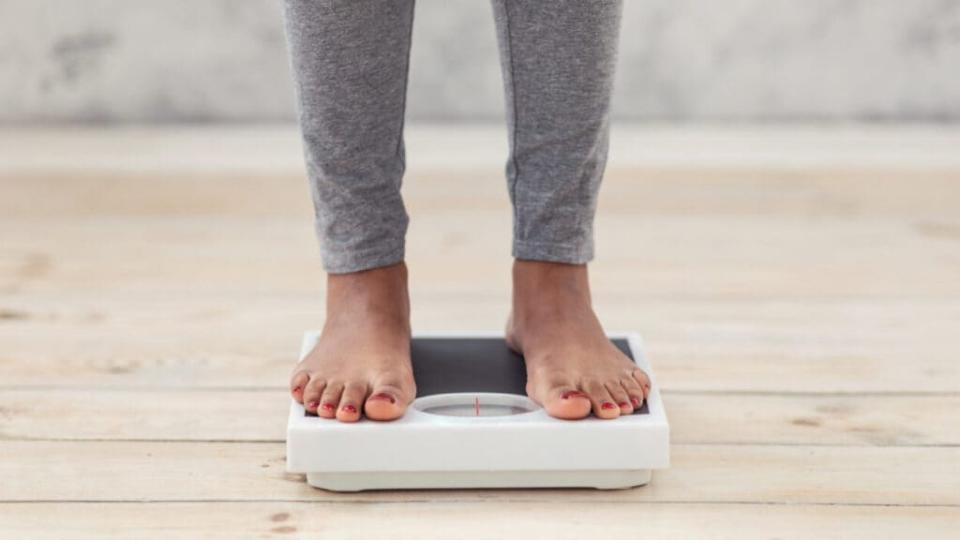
[362, 481]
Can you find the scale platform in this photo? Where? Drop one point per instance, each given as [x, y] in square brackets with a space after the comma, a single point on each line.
[472, 426]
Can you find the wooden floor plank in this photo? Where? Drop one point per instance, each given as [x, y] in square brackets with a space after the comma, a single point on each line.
[698, 418]
[156, 340]
[475, 519]
[163, 471]
[732, 189]
[678, 257]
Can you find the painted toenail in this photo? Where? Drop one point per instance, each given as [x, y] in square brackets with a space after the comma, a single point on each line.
[636, 401]
[328, 407]
[607, 405]
[623, 404]
[297, 390]
[384, 397]
[349, 408]
[572, 394]
[313, 404]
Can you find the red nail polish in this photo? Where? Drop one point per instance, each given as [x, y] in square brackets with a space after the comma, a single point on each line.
[328, 406]
[623, 404]
[349, 408]
[607, 405]
[572, 394]
[636, 401]
[384, 397]
[313, 405]
[297, 390]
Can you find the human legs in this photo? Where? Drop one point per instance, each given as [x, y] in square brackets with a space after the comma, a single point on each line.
[349, 59]
[558, 59]
[350, 62]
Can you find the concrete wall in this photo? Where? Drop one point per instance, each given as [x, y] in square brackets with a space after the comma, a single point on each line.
[681, 60]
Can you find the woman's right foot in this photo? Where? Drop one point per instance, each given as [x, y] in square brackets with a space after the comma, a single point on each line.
[361, 363]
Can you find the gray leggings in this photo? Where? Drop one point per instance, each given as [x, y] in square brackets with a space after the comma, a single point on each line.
[350, 59]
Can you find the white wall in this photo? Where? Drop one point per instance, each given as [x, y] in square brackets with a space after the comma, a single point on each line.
[696, 60]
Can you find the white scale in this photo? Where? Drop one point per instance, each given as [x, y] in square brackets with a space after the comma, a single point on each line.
[472, 426]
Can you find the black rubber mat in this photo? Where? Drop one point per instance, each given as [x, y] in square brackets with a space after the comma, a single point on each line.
[449, 365]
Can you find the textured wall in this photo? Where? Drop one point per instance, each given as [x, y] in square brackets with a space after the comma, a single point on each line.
[767, 60]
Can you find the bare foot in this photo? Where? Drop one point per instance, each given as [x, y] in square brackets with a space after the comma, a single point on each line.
[572, 368]
[361, 363]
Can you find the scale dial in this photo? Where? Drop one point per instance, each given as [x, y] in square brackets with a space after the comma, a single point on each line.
[475, 404]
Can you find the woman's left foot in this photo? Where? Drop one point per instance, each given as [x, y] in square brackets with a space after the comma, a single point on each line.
[572, 367]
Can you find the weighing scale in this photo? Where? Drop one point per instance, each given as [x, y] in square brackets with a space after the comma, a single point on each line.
[472, 426]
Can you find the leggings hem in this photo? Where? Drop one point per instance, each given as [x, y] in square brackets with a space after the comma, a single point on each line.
[346, 262]
[550, 252]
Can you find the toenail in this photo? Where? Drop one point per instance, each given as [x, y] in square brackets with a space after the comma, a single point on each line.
[297, 390]
[636, 401]
[572, 394]
[313, 404]
[328, 407]
[623, 404]
[349, 409]
[607, 405]
[384, 397]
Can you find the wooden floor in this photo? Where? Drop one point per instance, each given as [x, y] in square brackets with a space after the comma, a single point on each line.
[800, 297]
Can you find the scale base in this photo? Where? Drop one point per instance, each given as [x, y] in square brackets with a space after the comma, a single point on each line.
[473, 427]
[363, 481]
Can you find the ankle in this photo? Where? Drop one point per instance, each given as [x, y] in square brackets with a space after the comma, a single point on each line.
[549, 281]
[380, 292]
[547, 293]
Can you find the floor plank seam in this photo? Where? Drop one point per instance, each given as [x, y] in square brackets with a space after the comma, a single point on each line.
[282, 441]
[491, 499]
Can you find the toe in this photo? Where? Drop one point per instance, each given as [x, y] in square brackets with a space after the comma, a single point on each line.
[603, 403]
[620, 397]
[566, 402]
[298, 382]
[643, 380]
[385, 403]
[311, 393]
[350, 402]
[329, 400]
[634, 391]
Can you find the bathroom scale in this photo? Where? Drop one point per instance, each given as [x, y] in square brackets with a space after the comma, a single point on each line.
[472, 426]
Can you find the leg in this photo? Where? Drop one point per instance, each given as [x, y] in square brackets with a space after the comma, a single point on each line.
[558, 59]
[349, 59]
